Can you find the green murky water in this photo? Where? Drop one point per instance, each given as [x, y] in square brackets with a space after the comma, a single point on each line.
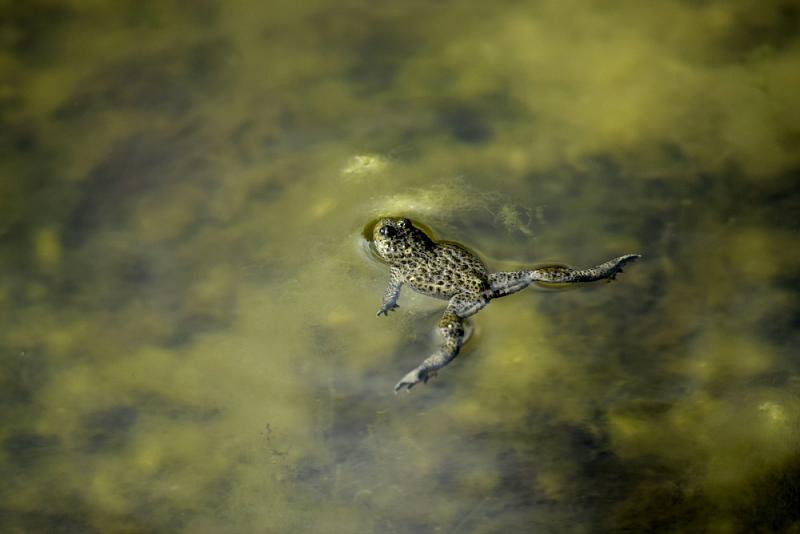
[189, 340]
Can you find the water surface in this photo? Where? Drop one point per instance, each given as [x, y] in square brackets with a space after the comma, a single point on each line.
[189, 338]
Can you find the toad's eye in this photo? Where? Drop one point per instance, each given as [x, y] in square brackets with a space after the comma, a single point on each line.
[404, 223]
[387, 231]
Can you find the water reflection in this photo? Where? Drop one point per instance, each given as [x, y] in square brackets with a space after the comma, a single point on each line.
[189, 338]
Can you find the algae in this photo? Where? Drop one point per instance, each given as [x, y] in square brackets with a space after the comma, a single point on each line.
[187, 298]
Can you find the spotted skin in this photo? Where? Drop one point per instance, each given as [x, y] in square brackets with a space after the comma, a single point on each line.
[446, 270]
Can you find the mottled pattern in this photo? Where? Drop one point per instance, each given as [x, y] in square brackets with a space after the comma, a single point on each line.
[446, 270]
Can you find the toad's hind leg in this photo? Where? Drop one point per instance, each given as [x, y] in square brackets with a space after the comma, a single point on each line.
[564, 275]
[505, 283]
[452, 329]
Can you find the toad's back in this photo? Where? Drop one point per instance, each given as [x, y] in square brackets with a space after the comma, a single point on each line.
[445, 270]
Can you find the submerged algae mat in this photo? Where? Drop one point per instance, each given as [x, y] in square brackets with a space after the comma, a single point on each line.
[189, 340]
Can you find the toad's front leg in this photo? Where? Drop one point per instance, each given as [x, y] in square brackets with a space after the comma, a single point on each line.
[392, 293]
[451, 328]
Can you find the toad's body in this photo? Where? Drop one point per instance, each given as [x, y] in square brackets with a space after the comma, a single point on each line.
[448, 271]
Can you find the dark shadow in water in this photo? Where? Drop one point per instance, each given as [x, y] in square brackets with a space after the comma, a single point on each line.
[34, 33]
[136, 165]
[44, 522]
[168, 82]
[378, 57]
[771, 502]
[465, 123]
[26, 449]
[109, 429]
[22, 373]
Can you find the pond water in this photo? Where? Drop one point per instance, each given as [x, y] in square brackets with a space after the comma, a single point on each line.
[189, 340]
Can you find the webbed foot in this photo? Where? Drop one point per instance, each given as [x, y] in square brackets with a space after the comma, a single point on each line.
[386, 309]
[617, 263]
[413, 378]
